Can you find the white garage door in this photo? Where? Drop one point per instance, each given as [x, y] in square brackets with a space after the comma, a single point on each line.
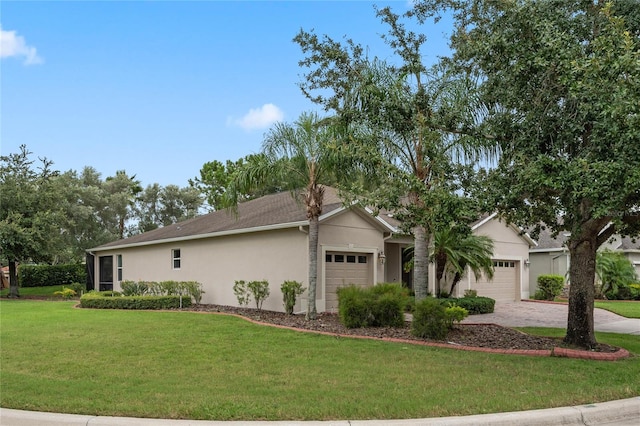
[504, 286]
[342, 269]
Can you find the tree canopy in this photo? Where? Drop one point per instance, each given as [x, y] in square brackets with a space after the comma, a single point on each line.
[400, 120]
[560, 85]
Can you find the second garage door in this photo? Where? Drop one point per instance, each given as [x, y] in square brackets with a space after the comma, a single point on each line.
[504, 286]
[342, 269]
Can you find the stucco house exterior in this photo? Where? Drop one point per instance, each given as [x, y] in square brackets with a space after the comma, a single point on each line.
[551, 255]
[267, 240]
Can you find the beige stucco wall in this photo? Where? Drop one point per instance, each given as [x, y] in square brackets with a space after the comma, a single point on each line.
[348, 231]
[218, 262]
[276, 256]
[507, 245]
[544, 263]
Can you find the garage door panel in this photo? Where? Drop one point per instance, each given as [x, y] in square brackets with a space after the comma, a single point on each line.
[343, 269]
[504, 286]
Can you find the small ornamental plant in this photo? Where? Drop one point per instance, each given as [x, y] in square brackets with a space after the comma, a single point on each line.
[290, 292]
[66, 293]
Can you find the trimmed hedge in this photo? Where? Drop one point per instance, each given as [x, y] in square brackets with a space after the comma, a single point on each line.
[382, 305]
[109, 300]
[49, 275]
[475, 305]
[549, 287]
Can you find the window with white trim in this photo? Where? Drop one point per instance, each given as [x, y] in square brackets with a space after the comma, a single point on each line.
[175, 254]
[119, 266]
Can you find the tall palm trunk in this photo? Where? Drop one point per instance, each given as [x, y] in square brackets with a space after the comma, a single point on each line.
[420, 262]
[312, 312]
[313, 200]
[582, 270]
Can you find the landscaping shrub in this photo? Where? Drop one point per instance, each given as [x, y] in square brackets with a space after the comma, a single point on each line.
[242, 292]
[106, 300]
[48, 275]
[66, 293]
[79, 288]
[354, 307]
[475, 305]
[470, 293]
[433, 318]
[194, 289]
[430, 319]
[549, 287]
[455, 314]
[133, 288]
[260, 291]
[382, 305]
[290, 291]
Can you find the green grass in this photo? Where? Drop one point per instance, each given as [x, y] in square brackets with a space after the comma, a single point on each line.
[27, 292]
[626, 308]
[202, 366]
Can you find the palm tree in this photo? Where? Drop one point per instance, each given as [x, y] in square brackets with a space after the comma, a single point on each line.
[614, 271]
[298, 156]
[455, 251]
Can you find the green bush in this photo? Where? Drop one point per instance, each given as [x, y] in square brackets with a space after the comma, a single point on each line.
[241, 291]
[48, 275]
[470, 293]
[79, 288]
[354, 307]
[133, 288]
[66, 293]
[455, 314]
[549, 287]
[430, 319]
[260, 291]
[194, 289]
[382, 305]
[475, 305]
[290, 292]
[102, 300]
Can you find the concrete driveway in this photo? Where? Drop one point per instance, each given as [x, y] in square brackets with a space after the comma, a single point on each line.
[537, 314]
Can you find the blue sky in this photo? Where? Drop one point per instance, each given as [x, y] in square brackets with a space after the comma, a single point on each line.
[159, 88]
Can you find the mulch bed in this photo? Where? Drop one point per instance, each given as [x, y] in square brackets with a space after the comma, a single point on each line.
[490, 336]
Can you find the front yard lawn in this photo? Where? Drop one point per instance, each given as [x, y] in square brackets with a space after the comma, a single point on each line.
[203, 366]
[626, 308]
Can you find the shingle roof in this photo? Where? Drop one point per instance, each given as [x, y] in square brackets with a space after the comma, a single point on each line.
[629, 244]
[546, 241]
[275, 209]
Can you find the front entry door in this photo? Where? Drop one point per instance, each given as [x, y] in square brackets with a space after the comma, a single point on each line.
[106, 273]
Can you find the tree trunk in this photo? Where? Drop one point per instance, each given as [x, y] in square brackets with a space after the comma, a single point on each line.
[420, 263]
[313, 267]
[580, 330]
[13, 280]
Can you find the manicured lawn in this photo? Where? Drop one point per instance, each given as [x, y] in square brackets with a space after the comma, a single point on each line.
[629, 309]
[36, 291]
[203, 366]
[625, 308]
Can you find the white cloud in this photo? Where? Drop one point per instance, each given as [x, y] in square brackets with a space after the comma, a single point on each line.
[259, 118]
[12, 44]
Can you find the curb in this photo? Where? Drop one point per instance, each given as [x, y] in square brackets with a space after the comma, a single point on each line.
[606, 412]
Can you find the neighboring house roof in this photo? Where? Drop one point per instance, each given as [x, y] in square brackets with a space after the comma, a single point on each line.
[274, 211]
[548, 243]
[629, 243]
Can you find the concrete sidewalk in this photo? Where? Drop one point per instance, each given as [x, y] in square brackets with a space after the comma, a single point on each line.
[625, 412]
[541, 314]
